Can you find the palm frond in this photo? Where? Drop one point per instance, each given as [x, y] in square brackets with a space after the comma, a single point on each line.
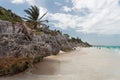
[33, 16]
[44, 21]
[43, 16]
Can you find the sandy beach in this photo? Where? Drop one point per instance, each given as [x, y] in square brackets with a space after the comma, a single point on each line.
[80, 64]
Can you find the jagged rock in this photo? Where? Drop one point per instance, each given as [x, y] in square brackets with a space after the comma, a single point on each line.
[50, 40]
[47, 43]
[63, 42]
[18, 42]
[20, 46]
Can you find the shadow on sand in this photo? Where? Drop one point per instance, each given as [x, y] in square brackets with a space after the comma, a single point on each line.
[48, 66]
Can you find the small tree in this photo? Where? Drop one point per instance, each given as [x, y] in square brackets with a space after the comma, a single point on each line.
[33, 16]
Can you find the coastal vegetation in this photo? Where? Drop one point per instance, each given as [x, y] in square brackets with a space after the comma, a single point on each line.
[33, 15]
[8, 15]
[23, 43]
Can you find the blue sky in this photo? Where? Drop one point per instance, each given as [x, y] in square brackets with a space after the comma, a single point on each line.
[94, 21]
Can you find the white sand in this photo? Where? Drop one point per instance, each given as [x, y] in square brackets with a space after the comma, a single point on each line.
[81, 64]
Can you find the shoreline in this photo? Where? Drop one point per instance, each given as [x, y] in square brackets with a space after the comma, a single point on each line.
[81, 64]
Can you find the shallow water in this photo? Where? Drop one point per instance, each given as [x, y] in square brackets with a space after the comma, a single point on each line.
[82, 64]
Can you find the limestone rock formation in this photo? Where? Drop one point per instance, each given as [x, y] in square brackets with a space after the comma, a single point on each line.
[19, 44]
[48, 42]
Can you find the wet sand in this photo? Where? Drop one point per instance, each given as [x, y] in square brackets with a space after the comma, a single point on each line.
[81, 64]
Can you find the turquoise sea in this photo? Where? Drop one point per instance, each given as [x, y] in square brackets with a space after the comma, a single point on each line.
[108, 47]
[112, 48]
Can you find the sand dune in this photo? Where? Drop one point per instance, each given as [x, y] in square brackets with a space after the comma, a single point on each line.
[81, 64]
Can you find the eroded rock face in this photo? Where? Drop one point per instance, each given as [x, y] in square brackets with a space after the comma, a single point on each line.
[19, 48]
[15, 44]
[5, 27]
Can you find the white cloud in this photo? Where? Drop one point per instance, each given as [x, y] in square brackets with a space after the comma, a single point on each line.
[103, 16]
[30, 2]
[18, 1]
[42, 11]
[64, 20]
[103, 19]
[66, 9]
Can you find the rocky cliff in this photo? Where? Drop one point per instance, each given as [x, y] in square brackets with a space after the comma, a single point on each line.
[20, 46]
[46, 43]
[15, 46]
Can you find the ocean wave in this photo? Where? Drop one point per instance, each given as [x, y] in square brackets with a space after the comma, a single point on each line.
[114, 49]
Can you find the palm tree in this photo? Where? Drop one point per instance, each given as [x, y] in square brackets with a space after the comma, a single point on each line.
[33, 16]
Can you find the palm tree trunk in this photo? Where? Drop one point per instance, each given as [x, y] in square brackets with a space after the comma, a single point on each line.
[35, 26]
